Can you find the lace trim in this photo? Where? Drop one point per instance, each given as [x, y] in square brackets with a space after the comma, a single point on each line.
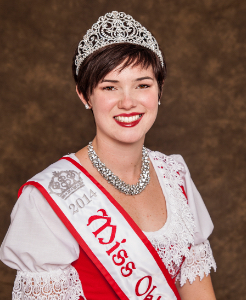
[53, 285]
[199, 262]
[172, 241]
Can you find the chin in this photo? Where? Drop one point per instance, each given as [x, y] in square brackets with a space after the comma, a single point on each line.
[131, 138]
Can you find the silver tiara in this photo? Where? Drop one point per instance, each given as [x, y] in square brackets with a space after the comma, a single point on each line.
[113, 28]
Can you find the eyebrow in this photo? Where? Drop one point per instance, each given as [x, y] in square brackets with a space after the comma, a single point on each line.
[109, 80]
[138, 79]
[142, 78]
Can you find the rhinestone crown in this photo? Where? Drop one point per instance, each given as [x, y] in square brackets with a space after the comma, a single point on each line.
[115, 27]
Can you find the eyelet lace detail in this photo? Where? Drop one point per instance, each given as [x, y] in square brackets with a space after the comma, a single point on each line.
[172, 241]
[52, 285]
[199, 262]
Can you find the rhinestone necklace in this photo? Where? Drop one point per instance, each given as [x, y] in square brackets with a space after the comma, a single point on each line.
[120, 185]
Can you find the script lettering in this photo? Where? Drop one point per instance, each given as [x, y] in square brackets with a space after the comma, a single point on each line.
[115, 247]
[128, 269]
[107, 224]
[120, 257]
[149, 296]
[149, 278]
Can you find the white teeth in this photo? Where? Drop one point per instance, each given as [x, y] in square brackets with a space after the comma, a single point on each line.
[128, 119]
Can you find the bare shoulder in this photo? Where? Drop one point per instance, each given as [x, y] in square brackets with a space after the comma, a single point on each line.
[202, 290]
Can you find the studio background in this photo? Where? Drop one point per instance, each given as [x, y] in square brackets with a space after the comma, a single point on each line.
[202, 113]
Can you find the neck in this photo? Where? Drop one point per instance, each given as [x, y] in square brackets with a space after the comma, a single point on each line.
[123, 159]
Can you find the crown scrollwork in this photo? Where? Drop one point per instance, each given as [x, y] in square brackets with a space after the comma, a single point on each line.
[65, 183]
[112, 28]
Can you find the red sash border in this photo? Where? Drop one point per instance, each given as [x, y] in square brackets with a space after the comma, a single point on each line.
[83, 244]
[77, 236]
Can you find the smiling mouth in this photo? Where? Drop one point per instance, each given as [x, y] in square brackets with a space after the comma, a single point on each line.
[129, 119]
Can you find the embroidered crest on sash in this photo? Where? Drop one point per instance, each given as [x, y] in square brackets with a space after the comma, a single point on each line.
[65, 183]
[106, 232]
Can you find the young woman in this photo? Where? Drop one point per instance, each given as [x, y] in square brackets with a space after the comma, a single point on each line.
[114, 220]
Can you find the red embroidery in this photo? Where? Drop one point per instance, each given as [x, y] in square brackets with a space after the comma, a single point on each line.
[115, 247]
[120, 257]
[128, 269]
[107, 224]
[138, 284]
[149, 296]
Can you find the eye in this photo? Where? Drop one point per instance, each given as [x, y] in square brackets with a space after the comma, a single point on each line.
[143, 86]
[109, 88]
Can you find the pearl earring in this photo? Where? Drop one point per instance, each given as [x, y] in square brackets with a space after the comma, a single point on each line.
[159, 102]
[87, 106]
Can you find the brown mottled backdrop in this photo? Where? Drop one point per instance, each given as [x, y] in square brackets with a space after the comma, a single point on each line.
[202, 115]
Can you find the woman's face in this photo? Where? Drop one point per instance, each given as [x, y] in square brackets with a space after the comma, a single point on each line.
[125, 104]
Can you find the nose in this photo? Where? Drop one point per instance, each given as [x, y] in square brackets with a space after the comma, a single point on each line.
[127, 101]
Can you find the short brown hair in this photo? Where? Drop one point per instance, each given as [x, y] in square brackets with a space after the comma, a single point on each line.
[98, 64]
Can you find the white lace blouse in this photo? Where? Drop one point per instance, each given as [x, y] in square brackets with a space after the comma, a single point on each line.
[41, 248]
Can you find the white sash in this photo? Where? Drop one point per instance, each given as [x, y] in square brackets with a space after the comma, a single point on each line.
[105, 231]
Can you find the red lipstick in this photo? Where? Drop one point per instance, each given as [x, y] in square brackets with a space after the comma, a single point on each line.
[129, 124]
[129, 115]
